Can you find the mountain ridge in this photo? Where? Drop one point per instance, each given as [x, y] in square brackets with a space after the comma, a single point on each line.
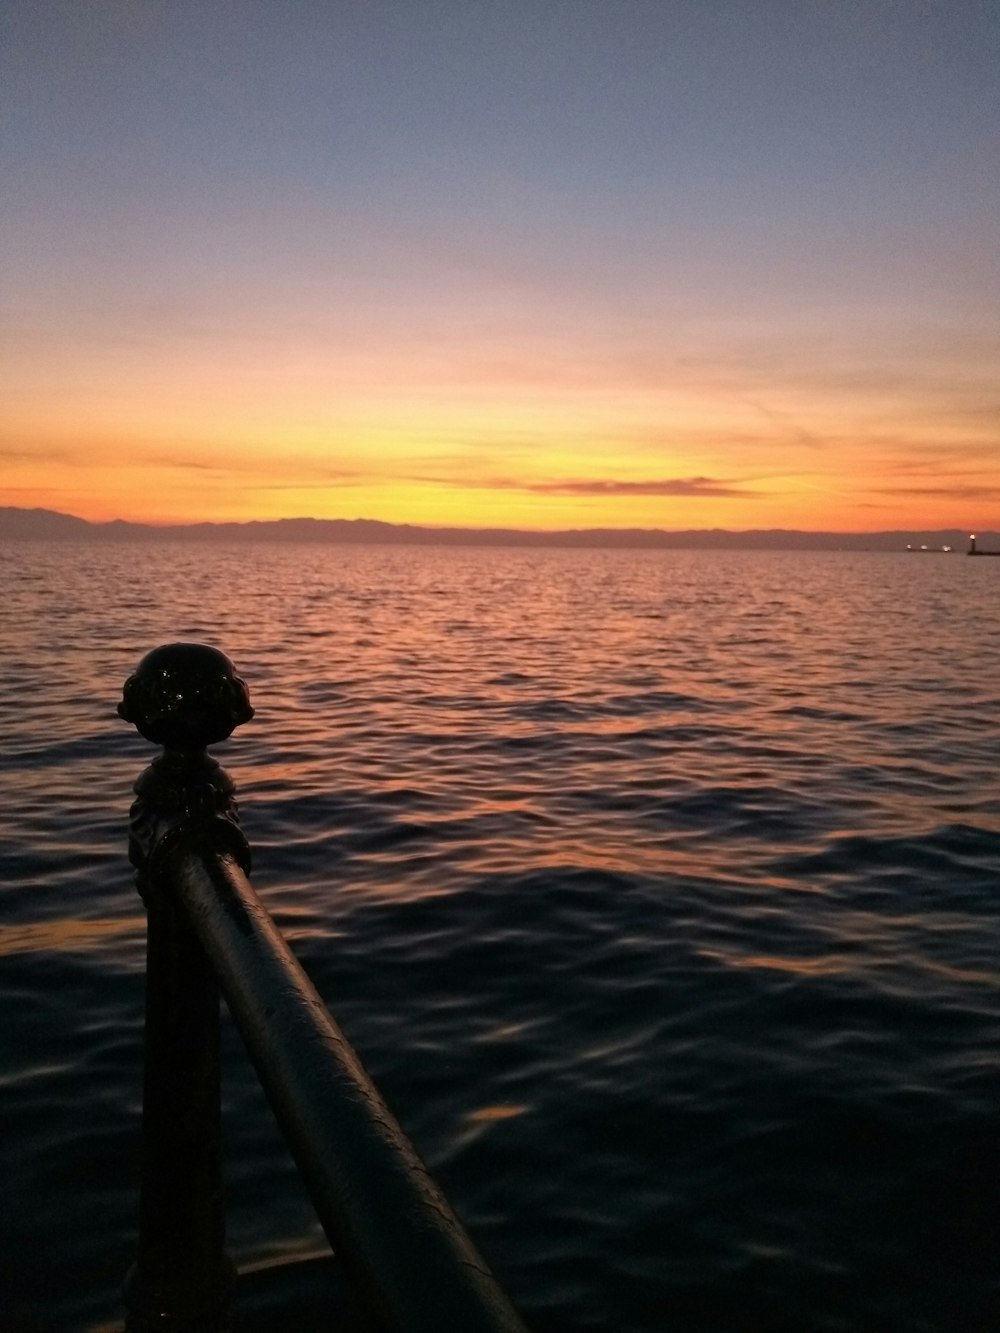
[52, 525]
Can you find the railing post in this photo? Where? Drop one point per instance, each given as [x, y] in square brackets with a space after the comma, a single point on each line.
[184, 697]
[412, 1265]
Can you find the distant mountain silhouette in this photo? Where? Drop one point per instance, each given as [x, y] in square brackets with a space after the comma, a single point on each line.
[42, 523]
[52, 526]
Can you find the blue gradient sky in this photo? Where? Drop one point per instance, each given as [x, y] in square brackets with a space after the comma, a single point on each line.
[550, 264]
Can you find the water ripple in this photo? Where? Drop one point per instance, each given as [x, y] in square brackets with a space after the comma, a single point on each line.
[657, 892]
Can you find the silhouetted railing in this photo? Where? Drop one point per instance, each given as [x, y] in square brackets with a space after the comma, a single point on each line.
[411, 1264]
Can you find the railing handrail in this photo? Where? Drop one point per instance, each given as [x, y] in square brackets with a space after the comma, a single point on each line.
[413, 1267]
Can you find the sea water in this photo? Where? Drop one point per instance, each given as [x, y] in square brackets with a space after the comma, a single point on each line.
[658, 891]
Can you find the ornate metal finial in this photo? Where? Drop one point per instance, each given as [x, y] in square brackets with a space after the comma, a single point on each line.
[185, 697]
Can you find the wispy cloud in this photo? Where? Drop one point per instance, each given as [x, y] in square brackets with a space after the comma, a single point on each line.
[36, 455]
[971, 492]
[290, 471]
[602, 486]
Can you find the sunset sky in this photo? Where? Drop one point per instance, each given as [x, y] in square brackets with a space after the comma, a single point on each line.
[531, 263]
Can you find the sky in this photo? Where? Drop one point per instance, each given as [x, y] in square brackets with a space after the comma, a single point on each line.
[526, 263]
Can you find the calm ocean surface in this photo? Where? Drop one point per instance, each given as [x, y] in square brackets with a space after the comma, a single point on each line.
[657, 890]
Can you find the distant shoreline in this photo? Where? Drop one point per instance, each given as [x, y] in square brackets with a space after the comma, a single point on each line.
[50, 525]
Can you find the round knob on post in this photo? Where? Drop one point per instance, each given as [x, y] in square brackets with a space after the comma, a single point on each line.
[185, 696]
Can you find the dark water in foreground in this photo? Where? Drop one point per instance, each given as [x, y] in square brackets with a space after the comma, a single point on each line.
[658, 892]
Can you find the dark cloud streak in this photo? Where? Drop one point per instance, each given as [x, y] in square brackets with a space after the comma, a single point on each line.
[970, 492]
[696, 487]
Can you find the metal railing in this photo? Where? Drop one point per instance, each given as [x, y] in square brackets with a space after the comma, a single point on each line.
[412, 1266]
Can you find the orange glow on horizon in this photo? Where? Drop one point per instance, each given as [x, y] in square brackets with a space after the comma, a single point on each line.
[476, 433]
[674, 456]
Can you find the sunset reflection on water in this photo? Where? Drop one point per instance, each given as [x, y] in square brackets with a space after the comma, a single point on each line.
[646, 884]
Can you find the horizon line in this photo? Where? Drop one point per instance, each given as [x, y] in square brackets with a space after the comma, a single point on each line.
[38, 521]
